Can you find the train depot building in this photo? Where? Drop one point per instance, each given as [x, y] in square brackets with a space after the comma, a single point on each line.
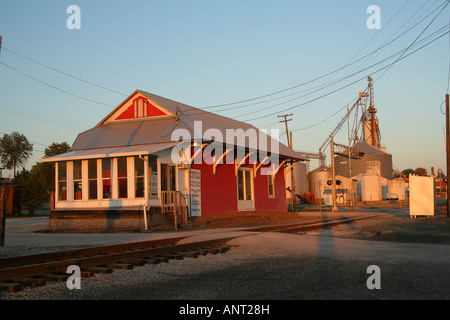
[153, 160]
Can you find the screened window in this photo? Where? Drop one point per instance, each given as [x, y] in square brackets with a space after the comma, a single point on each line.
[122, 177]
[62, 181]
[77, 183]
[92, 179]
[139, 173]
[106, 178]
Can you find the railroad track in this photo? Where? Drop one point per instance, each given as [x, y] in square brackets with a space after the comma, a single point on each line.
[310, 225]
[17, 273]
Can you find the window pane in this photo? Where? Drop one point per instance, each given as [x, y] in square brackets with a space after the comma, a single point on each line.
[62, 171]
[107, 189]
[106, 168]
[93, 189]
[122, 177]
[138, 167]
[123, 188]
[139, 187]
[241, 184]
[122, 167]
[92, 169]
[77, 190]
[270, 179]
[248, 185]
[106, 178]
[164, 170]
[172, 178]
[77, 170]
[62, 191]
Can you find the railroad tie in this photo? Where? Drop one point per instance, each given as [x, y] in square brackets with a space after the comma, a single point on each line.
[10, 286]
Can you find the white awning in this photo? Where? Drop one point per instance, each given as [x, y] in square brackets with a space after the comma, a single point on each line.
[110, 152]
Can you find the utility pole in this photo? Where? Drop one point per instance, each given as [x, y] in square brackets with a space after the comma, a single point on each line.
[287, 130]
[333, 178]
[447, 149]
[349, 161]
[290, 145]
[372, 115]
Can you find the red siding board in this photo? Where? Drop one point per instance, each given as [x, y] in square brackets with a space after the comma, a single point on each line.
[219, 191]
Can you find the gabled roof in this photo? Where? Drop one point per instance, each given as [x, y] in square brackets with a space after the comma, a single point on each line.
[114, 132]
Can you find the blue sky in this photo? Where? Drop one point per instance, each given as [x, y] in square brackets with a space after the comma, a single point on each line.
[209, 53]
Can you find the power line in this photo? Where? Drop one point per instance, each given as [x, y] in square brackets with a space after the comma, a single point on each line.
[64, 73]
[321, 87]
[328, 74]
[343, 87]
[54, 87]
[398, 59]
[41, 118]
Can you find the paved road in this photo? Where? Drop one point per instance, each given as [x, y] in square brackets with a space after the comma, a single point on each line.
[26, 221]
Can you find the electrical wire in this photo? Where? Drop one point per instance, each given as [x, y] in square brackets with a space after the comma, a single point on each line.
[417, 38]
[54, 87]
[345, 86]
[321, 87]
[41, 118]
[64, 73]
[323, 76]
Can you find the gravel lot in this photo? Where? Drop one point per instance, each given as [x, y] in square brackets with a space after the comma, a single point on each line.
[329, 264]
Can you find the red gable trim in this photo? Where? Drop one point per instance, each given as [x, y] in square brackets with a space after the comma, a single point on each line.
[140, 108]
[136, 107]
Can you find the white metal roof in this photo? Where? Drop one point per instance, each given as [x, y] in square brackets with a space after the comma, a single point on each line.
[110, 152]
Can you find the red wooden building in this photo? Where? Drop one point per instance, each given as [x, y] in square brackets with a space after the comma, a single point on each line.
[151, 154]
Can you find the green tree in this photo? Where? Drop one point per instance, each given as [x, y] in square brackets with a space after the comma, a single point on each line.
[57, 148]
[40, 180]
[46, 169]
[421, 172]
[15, 150]
[34, 191]
[407, 172]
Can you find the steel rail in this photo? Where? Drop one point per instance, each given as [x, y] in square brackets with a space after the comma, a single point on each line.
[11, 278]
[82, 252]
[307, 226]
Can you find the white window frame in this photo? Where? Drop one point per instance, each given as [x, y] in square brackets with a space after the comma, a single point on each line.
[246, 204]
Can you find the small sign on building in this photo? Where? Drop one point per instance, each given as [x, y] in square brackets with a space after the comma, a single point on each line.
[196, 193]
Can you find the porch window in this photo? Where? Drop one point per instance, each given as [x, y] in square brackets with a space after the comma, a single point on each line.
[77, 180]
[122, 177]
[106, 178]
[62, 181]
[139, 173]
[92, 179]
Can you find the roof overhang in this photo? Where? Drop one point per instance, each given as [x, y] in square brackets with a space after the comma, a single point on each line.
[110, 152]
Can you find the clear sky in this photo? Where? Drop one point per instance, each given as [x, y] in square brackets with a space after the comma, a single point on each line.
[210, 53]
